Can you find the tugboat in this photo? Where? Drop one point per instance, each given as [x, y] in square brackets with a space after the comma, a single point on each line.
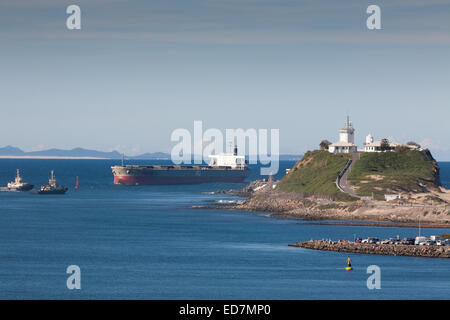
[18, 185]
[52, 187]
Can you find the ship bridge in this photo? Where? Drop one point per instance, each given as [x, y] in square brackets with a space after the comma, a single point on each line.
[227, 160]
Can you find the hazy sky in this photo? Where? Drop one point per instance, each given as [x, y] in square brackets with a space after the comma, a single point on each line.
[137, 70]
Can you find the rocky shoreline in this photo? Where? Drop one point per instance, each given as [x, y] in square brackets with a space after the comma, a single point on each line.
[261, 195]
[380, 224]
[380, 249]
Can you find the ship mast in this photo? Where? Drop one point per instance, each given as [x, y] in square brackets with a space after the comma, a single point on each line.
[18, 178]
[230, 146]
[52, 180]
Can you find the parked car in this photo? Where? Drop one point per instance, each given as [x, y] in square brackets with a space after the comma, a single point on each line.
[394, 240]
[370, 240]
[407, 241]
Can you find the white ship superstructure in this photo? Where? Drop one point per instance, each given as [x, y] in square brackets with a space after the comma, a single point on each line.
[18, 184]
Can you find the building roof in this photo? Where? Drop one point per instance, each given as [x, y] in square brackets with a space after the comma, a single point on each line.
[342, 144]
[378, 144]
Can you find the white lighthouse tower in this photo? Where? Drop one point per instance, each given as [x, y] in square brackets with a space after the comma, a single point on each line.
[369, 139]
[346, 143]
[347, 134]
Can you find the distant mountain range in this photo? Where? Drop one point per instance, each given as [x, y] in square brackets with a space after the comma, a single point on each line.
[77, 152]
[11, 151]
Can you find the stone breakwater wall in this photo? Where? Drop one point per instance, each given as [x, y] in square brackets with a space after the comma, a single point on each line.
[382, 249]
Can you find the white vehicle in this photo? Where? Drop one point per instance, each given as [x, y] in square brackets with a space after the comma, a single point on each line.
[370, 240]
[420, 240]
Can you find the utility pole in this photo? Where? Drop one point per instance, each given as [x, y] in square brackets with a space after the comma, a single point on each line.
[419, 226]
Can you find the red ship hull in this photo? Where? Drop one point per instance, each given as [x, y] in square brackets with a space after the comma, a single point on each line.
[149, 180]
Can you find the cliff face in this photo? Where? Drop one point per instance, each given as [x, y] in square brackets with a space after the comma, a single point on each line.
[435, 169]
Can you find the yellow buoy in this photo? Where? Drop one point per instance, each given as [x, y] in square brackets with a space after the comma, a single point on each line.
[349, 264]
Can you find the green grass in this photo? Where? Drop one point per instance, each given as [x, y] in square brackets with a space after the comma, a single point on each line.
[410, 171]
[316, 173]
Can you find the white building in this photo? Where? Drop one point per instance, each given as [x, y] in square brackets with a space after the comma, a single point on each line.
[346, 143]
[375, 146]
[391, 197]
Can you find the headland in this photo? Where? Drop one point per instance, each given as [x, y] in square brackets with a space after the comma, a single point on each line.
[399, 186]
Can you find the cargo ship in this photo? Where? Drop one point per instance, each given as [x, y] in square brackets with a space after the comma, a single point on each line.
[224, 167]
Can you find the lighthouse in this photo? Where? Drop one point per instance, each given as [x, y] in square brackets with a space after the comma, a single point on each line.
[369, 139]
[346, 143]
[347, 134]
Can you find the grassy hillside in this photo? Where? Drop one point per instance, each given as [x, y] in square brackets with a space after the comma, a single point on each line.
[316, 173]
[394, 172]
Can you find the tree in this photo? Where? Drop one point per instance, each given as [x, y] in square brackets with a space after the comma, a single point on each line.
[385, 145]
[324, 144]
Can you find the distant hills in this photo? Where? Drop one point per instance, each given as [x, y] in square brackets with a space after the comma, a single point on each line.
[77, 153]
[153, 155]
[11, 151]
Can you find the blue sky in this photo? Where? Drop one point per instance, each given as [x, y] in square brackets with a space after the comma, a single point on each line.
[137, 70]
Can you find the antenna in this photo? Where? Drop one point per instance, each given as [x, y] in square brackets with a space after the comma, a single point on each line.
[419, 226]
[122, 158]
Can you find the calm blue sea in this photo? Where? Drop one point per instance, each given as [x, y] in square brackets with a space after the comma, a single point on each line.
[144, 242]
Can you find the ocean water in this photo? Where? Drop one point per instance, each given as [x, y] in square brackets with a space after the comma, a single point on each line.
[145, 242]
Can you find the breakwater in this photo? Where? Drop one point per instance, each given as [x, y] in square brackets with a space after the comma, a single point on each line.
[381, 249]
[383, 225]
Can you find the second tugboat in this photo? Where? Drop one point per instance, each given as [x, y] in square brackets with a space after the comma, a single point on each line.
[52, 187]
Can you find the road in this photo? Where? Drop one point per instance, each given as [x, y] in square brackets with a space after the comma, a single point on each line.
[343, 183]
